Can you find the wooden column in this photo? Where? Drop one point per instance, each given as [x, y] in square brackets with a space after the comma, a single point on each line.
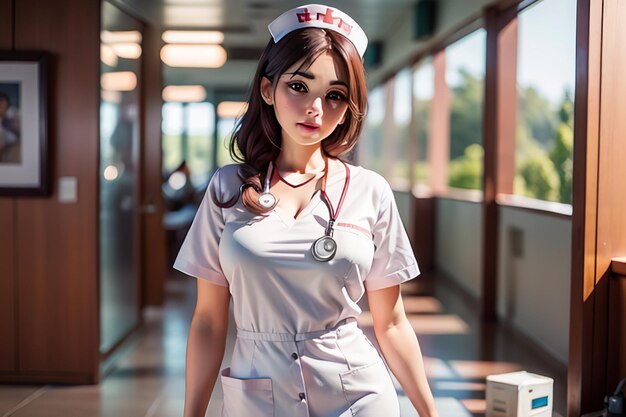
[154, 254]
[498, 141]
[8, 349]
[389, 133]
[439, 137]
[599, 202]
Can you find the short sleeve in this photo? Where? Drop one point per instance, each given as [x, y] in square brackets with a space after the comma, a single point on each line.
[394, 261]
[199, 253]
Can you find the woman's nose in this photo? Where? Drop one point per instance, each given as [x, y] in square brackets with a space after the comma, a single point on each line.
[315, 108]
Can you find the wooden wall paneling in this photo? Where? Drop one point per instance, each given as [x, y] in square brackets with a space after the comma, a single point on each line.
[57, 243]
[581, 394]
[7, 223]
[6, 24]
[616, 359]
[8, 349]
[611, 235]
[154, 253]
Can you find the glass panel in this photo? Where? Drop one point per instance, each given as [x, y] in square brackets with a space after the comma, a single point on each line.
[370, 144]
[402, 120]
[119, 150]
[225, 127]
[465, 74]
[545, 71]
[172, 145]
[200, 122]
[423, 89]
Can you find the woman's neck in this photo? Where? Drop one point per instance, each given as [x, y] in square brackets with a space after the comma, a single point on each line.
[300, 159]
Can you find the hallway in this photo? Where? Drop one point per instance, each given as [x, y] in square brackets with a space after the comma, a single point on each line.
[148, 379]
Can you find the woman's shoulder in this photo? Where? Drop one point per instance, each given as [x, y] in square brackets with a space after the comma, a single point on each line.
[225, 178]
[368, 179]
[227, 174]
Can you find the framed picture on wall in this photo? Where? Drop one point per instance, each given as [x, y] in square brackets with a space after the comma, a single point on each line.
[23, 124]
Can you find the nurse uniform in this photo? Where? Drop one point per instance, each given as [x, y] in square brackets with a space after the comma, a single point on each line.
[298, 350]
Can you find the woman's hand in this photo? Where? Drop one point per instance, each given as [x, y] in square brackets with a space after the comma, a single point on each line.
[400, 347]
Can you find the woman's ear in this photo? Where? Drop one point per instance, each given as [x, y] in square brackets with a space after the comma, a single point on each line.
[266, 91]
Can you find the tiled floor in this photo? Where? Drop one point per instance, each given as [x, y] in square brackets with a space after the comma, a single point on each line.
[148, 381]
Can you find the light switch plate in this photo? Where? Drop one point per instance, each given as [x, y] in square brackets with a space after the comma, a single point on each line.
[68, 190]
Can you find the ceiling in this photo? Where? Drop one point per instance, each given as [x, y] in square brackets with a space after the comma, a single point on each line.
[244, 23]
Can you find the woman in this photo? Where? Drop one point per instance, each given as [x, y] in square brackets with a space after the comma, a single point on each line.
[297, 236]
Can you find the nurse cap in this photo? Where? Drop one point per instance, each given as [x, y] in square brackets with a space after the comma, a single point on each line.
[319, 16]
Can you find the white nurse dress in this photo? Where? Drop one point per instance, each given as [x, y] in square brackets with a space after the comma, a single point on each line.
[298, 350]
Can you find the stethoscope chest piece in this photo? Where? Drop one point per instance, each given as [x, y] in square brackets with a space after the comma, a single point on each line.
[267, 199]
[324, 248]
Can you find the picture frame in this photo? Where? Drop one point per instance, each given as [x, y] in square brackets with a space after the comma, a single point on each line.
[24, 124]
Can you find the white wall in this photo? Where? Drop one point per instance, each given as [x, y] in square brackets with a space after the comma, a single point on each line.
[534, 286]
[459, 242]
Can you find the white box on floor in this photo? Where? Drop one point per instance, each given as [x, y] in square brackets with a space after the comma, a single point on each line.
[519, 394]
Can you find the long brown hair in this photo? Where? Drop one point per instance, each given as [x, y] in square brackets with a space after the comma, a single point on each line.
[256, 139]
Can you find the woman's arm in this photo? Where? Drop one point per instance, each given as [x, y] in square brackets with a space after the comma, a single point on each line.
[205, 346]
[400, 347]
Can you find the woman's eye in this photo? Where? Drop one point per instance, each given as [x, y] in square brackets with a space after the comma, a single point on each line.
[298, 87]
[336, 95]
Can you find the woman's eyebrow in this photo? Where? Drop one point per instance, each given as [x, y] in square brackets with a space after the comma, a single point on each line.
[339, 82]
[302, 74]
[312, 77]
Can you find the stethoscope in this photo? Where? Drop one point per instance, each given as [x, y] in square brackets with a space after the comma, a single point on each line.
[267, 199]
[325, 247]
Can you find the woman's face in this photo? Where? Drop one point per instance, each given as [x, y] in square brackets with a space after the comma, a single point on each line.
[309, 104]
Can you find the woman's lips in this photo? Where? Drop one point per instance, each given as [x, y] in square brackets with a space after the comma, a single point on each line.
[309, 127]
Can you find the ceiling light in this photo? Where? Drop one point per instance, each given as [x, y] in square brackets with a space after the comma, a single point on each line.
[184, 93]
[132, 36]
[110, 173]
[231, 109]
[196, 56]
[118, 81]
[108, 55]
[127, 50]
[193, 36]
[206, 15]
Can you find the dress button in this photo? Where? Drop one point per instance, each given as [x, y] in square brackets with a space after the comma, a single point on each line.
[294, 355]
[302, 396]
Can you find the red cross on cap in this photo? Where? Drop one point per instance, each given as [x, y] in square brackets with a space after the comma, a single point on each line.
[328, 17]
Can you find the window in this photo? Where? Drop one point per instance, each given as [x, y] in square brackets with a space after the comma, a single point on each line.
[200, 123]
[172, 128]
[187, 136]
[465, 74]
[545, 88]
